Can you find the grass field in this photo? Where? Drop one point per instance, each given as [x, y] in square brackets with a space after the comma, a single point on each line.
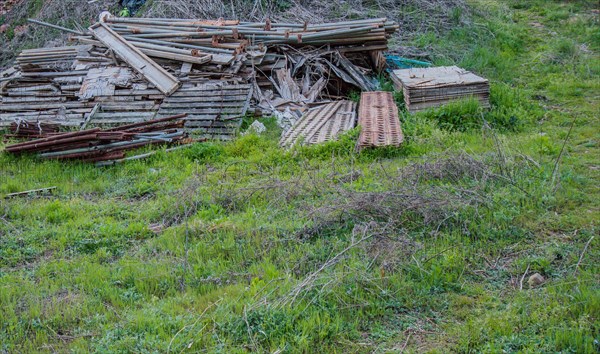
[242, 246]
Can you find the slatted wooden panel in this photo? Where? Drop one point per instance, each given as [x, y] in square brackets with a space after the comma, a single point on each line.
[379, 121]
[321, 124]
[214, 110]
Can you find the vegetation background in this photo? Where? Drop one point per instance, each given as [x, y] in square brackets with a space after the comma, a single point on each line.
[242, 246]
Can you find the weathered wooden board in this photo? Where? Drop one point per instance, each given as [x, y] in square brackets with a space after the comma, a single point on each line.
[153, 72]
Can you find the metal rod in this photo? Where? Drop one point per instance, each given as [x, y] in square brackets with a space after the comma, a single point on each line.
[109, 146]
[181, 45]
[55, 26]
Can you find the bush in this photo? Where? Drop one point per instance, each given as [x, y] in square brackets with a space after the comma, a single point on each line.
[460, 115]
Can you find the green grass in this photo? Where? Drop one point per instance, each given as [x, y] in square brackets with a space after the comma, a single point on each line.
[242, 246]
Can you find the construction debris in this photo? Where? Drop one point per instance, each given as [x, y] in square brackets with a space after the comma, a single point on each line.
[432, 87]
[379, 121]
[94, 145]
[126, 70]
[256, 127]
[146, 80]
[153, 72]
[31, 130]
[320, 124]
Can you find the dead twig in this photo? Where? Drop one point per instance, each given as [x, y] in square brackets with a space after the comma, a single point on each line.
[405, 343]
[523, 278]
[192, 325]
[562, 149]
[582, 254]
[250, 337]
[310, 279]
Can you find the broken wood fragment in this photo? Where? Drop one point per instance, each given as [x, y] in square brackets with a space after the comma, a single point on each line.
[29, 192]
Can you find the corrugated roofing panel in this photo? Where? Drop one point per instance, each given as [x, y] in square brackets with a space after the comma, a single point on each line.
[320, 124]
[379, 121]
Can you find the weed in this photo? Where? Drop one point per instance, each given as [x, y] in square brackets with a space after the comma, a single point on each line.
[459, 115]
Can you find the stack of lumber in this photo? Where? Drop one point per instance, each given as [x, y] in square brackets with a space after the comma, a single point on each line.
[30, 58]
[111, 95]
[433, 87]
[92, 145]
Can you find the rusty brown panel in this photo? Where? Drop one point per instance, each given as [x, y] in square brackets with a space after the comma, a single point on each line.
[379, 121]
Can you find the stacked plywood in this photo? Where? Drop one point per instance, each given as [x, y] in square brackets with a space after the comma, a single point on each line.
[432, 87]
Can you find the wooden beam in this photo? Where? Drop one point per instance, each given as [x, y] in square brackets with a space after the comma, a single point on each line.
[153, 72]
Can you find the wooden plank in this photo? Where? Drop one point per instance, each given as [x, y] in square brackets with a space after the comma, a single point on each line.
[29, 192]
[33, 99]
[116, 120]
[153, 72]
[131, 106]
[143, 114]
[43, 106]
[207, 117]
[207, 99]
[37, 74]
[216, 111]
[228, 125]
[212, 104]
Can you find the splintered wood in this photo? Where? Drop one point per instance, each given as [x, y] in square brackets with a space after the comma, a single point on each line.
[379, 121]
[324, 123]
[432, 87]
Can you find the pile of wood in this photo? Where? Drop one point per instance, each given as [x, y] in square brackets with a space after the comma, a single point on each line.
[130, 82]
[128, 70]
[104, 95]
[93, 145]
[206, 35]
[433, 87]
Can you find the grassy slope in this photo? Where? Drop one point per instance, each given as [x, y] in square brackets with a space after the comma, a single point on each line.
[248, 226]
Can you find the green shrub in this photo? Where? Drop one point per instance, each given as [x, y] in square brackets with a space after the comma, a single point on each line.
[204, 152]
[460, 115]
